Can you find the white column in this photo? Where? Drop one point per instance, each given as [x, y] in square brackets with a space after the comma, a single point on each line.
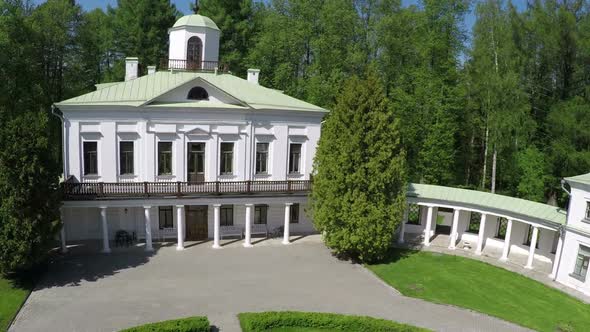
[453, 240]
[248, 226]
[427, 230]
[287, 221]
[105, 230]
[180, 227]
[480, 237]
[529, 262]
[62, 234]
[402, 229]
[506, 249]
[557, 257]
[147, 218]
[216, 225]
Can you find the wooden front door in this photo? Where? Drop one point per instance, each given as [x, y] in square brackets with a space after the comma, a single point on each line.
[196, 222]
[196, 162]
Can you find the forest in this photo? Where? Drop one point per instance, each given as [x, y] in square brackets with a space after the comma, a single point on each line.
[502, 107]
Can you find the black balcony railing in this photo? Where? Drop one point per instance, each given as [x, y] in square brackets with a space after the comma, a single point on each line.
[106, 190]
[188, 65]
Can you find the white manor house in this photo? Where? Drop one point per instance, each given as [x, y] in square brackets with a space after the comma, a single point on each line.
[190, 152]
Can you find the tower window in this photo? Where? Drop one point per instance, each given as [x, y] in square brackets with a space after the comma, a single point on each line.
[198, 93]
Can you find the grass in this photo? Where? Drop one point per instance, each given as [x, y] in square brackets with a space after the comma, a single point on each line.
[292, 321]
[188, 324]
[11, 299]
[482, 287]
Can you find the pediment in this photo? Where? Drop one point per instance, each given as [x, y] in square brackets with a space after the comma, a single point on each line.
[180, 94]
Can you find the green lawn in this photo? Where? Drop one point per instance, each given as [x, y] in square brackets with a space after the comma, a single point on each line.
[11, 298]
[482, 287]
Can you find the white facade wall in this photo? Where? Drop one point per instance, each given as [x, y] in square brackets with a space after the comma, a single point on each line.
[212, 126]
[577, 233]
[179, 39]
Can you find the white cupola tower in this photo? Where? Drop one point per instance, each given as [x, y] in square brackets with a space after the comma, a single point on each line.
[194, 43]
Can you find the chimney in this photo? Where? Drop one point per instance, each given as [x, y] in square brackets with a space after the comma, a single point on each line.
[131, 68]
[253, 75]
[151, 69]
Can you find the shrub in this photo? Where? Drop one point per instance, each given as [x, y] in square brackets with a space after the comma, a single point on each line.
[190, 324]
[259, 322]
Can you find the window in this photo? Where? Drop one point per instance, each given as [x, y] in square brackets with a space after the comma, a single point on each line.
[588, 210]
[502, 226]
[294, 211]
[582, 261]
[294, 158]
[260, 212]
[166, 218]
[227, 158]
[194, 50]
[413, 214]
[198, 93]
[226, 215]
[474, 221]
[126, 157]
[529, 236]
[90, 158]
[261, 158]
[164, 158]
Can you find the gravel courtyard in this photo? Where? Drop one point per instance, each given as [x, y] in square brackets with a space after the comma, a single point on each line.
[87, 291]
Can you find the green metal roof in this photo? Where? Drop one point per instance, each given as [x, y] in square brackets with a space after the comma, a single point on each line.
[143, 91]
[484, 200]
[195, 21]
[583, 179]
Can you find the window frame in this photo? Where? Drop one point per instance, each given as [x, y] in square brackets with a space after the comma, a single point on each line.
[417, 214]
[124, 165]
[294, 213]
[292, 164]
[87, 169]
[261, 214]
[223, 159]
[165, 209]
[161, 170]
[226, 215]
[587, 214]
[261, 168]
[582, 264]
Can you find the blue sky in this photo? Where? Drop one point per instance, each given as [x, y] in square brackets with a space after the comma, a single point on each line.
[184, 6]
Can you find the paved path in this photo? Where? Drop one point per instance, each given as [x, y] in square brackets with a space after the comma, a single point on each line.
[95, 292]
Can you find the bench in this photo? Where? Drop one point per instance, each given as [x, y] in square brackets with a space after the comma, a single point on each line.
[259, 229]
[231, 231]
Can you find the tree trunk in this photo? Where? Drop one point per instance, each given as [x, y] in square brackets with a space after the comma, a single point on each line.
[494, 169]
[485, 159]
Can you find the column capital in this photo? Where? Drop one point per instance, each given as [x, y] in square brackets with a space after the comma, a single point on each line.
[216, 205]
[103, 207]
[147, 207]
[458, 209]
[249, 205]
[180, 206]
[288, 204]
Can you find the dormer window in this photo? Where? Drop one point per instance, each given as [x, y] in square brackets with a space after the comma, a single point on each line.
[198, 93]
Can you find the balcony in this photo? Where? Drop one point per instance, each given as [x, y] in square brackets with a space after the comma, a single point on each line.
[125, 190]
[197, 66]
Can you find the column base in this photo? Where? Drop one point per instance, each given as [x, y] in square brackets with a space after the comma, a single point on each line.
[503, 259]
[179, 248]
[427, 244]
[149, 249]
[400, 242]
[528, 267]
[286, 242]
[106, 251]
[64, 250]
[247, 245]
[216, 246]
[452, 247]
[478, 253]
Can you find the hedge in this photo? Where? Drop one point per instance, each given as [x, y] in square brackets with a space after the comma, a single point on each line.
[190, 324]
[264, 321]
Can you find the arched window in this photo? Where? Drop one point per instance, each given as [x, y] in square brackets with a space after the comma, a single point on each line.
[194, 51]
[198, 93]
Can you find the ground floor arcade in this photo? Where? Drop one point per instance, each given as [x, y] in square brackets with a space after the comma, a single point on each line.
[480, 231]
[184, 220]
